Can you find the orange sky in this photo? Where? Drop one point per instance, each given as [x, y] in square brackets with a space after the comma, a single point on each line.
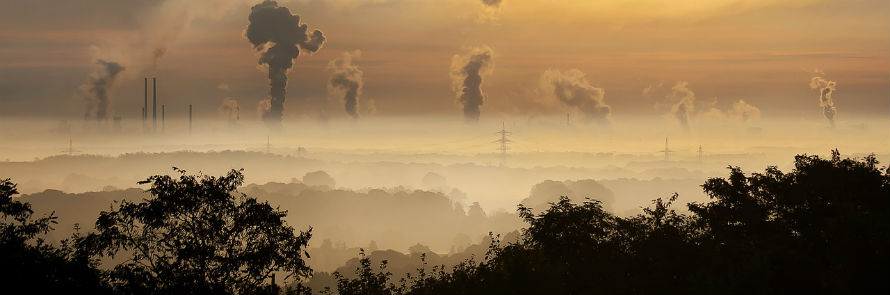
[762, 52]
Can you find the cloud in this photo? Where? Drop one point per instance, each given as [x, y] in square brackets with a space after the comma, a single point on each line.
[467, 73]
[347, 77]
[572, 89]
[826, 89]
[279, 37]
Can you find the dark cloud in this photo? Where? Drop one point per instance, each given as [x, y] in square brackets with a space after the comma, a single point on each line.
[826, 88]
[347, 77]
[95, 90]
[572, 89]
[279, 37]
[467, 72]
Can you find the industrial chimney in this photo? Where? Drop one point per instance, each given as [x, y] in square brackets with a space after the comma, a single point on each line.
[190, 119]
[163, 116]
[154, 103]
[145, 106]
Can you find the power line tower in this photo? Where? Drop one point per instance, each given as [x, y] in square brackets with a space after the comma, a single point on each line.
[503, 141]
[70, 151]
[666, 150]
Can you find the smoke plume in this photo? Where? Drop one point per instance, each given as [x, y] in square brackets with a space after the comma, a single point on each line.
[467, 72]
[826, 88]
[491, 10]
[169, 19]
[279, 36]
[492, 3]
[229, 110]
[745, 111]
[95, 90]
[572, 89]
[347, 77]
[682, 101]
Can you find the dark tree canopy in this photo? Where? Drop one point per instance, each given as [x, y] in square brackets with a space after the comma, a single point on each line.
[198, 235]
[26, 260]
[821, 228]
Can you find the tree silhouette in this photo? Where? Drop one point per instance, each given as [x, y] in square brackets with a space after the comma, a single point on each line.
[367, 281]
[26, 260]
[821, 228]
[197, 235]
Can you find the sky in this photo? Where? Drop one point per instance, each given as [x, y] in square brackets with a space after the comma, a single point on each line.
[602, 62]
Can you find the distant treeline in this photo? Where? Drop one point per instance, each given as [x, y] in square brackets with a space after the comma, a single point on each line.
[822, 228]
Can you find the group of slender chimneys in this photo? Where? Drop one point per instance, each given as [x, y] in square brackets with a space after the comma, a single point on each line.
[154, 108]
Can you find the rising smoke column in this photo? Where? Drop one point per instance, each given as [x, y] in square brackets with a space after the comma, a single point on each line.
[229, 110]
[572, 89]
[279, 36]
[347, 77]
[467, 72]
[683, 102]
[490, 11]
[744, 110]
[826, 88]
[95, 90]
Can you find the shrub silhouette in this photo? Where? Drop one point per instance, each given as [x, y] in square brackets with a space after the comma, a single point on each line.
[197, 235]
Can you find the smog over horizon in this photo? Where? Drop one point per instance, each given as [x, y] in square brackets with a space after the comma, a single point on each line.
[476, 146]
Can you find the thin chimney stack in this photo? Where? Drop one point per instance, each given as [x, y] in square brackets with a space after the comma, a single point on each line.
[190, 119]
[154, 103]
[145, 105]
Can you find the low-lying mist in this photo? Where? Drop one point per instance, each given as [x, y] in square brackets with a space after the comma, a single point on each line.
[403, 181]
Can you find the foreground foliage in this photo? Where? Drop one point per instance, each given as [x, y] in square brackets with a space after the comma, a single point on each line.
[197, 235]
[822, 228]
[26, 260]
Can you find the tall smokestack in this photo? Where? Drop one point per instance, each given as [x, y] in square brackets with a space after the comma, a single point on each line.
[154, 103]
[190, 118]
[163, 117]
[145, 106]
